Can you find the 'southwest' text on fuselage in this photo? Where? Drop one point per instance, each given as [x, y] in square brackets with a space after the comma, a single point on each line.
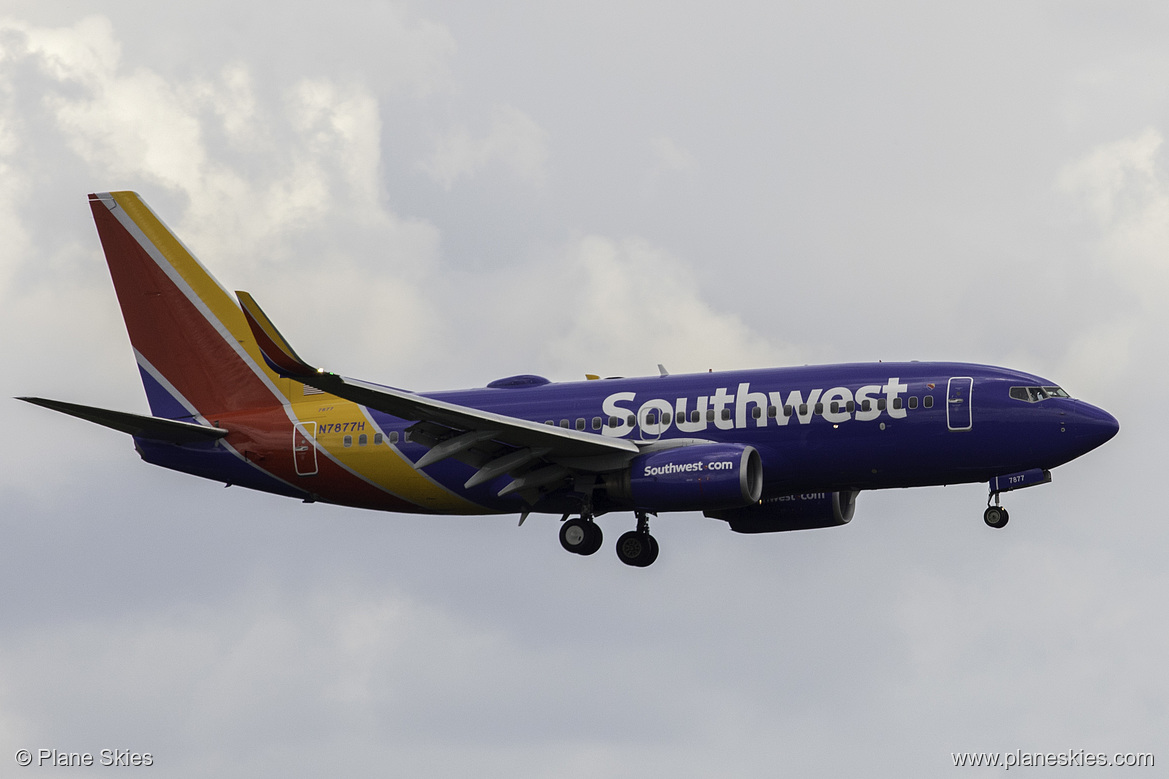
[729, 411]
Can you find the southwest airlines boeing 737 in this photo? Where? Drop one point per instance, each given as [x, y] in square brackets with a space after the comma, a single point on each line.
[762, 450]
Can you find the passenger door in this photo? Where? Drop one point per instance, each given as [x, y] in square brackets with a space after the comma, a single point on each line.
[304, 449]
[958, 412]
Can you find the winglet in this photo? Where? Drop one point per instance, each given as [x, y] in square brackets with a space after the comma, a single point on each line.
[276, 350]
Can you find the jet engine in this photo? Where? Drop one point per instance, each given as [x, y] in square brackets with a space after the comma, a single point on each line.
[790, 512]
[700, 477]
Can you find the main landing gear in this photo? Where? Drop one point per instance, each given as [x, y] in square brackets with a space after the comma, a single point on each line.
[995, 516]
[581, 535]
[637, 547]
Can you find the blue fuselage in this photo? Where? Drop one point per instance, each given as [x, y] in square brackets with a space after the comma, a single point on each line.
[817, 428]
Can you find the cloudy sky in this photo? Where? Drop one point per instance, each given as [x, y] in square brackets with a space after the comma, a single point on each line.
[434, 195]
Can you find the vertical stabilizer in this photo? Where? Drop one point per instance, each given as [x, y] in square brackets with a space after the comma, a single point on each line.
[194, 348]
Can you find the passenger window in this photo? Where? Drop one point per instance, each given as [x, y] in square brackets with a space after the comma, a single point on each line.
[726, 414]
[597, 421]
[394, 437]
[819, 408]
[803, 409]
[928, 401]
[788, 410]
[580, 423]
[835, 407]
[772, 411]
[614, 421]
[666, 417]
[362, 440]
[757, 412]
[348, 440]
[880, 404]
[866, 405]
[850, 406]
[377, 439]
[550, 422]
[631, 420]
[710, 415]
[897, 403]
[564, 424]
[695, 415]
[913, 402]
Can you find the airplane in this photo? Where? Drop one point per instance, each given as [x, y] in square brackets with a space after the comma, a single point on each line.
[764, 450]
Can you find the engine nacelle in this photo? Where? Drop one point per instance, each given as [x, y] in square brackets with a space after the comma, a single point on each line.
[791, 512]
[700, 477]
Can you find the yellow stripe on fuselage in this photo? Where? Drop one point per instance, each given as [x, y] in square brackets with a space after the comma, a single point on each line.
[379, 464]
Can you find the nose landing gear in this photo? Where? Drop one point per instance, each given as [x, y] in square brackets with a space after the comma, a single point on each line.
[995, 516]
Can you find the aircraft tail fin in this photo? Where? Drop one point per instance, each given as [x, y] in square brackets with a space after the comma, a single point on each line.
[194, 348]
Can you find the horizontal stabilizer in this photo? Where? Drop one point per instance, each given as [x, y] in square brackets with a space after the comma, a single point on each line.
[154, 428]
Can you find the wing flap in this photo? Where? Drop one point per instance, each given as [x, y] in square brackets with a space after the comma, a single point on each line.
[453, 446]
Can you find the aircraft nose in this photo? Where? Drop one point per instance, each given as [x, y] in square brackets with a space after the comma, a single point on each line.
[1093, 426]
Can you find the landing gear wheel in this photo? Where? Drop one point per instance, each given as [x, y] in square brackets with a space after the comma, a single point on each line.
[581, 536]
[593, 539]
[995, 516]
[637, 548]
[653, 551]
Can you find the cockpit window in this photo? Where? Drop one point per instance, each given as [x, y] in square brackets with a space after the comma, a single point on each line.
[1036, 394]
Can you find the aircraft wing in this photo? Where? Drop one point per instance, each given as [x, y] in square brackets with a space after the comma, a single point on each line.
[507, 429]
[449, 429]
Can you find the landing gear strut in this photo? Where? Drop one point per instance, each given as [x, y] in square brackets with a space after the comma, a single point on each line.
[581, 535]
[637, 547]
[995, 516]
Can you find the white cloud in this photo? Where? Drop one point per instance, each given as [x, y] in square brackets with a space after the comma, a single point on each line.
[80, 54]
[514, 142]
[671, 156]
[1125, 188]
[265, 178]
[278, 164]
[620, 307]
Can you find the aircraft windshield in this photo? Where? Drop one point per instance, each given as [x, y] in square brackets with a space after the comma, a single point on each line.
[1036, 394]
